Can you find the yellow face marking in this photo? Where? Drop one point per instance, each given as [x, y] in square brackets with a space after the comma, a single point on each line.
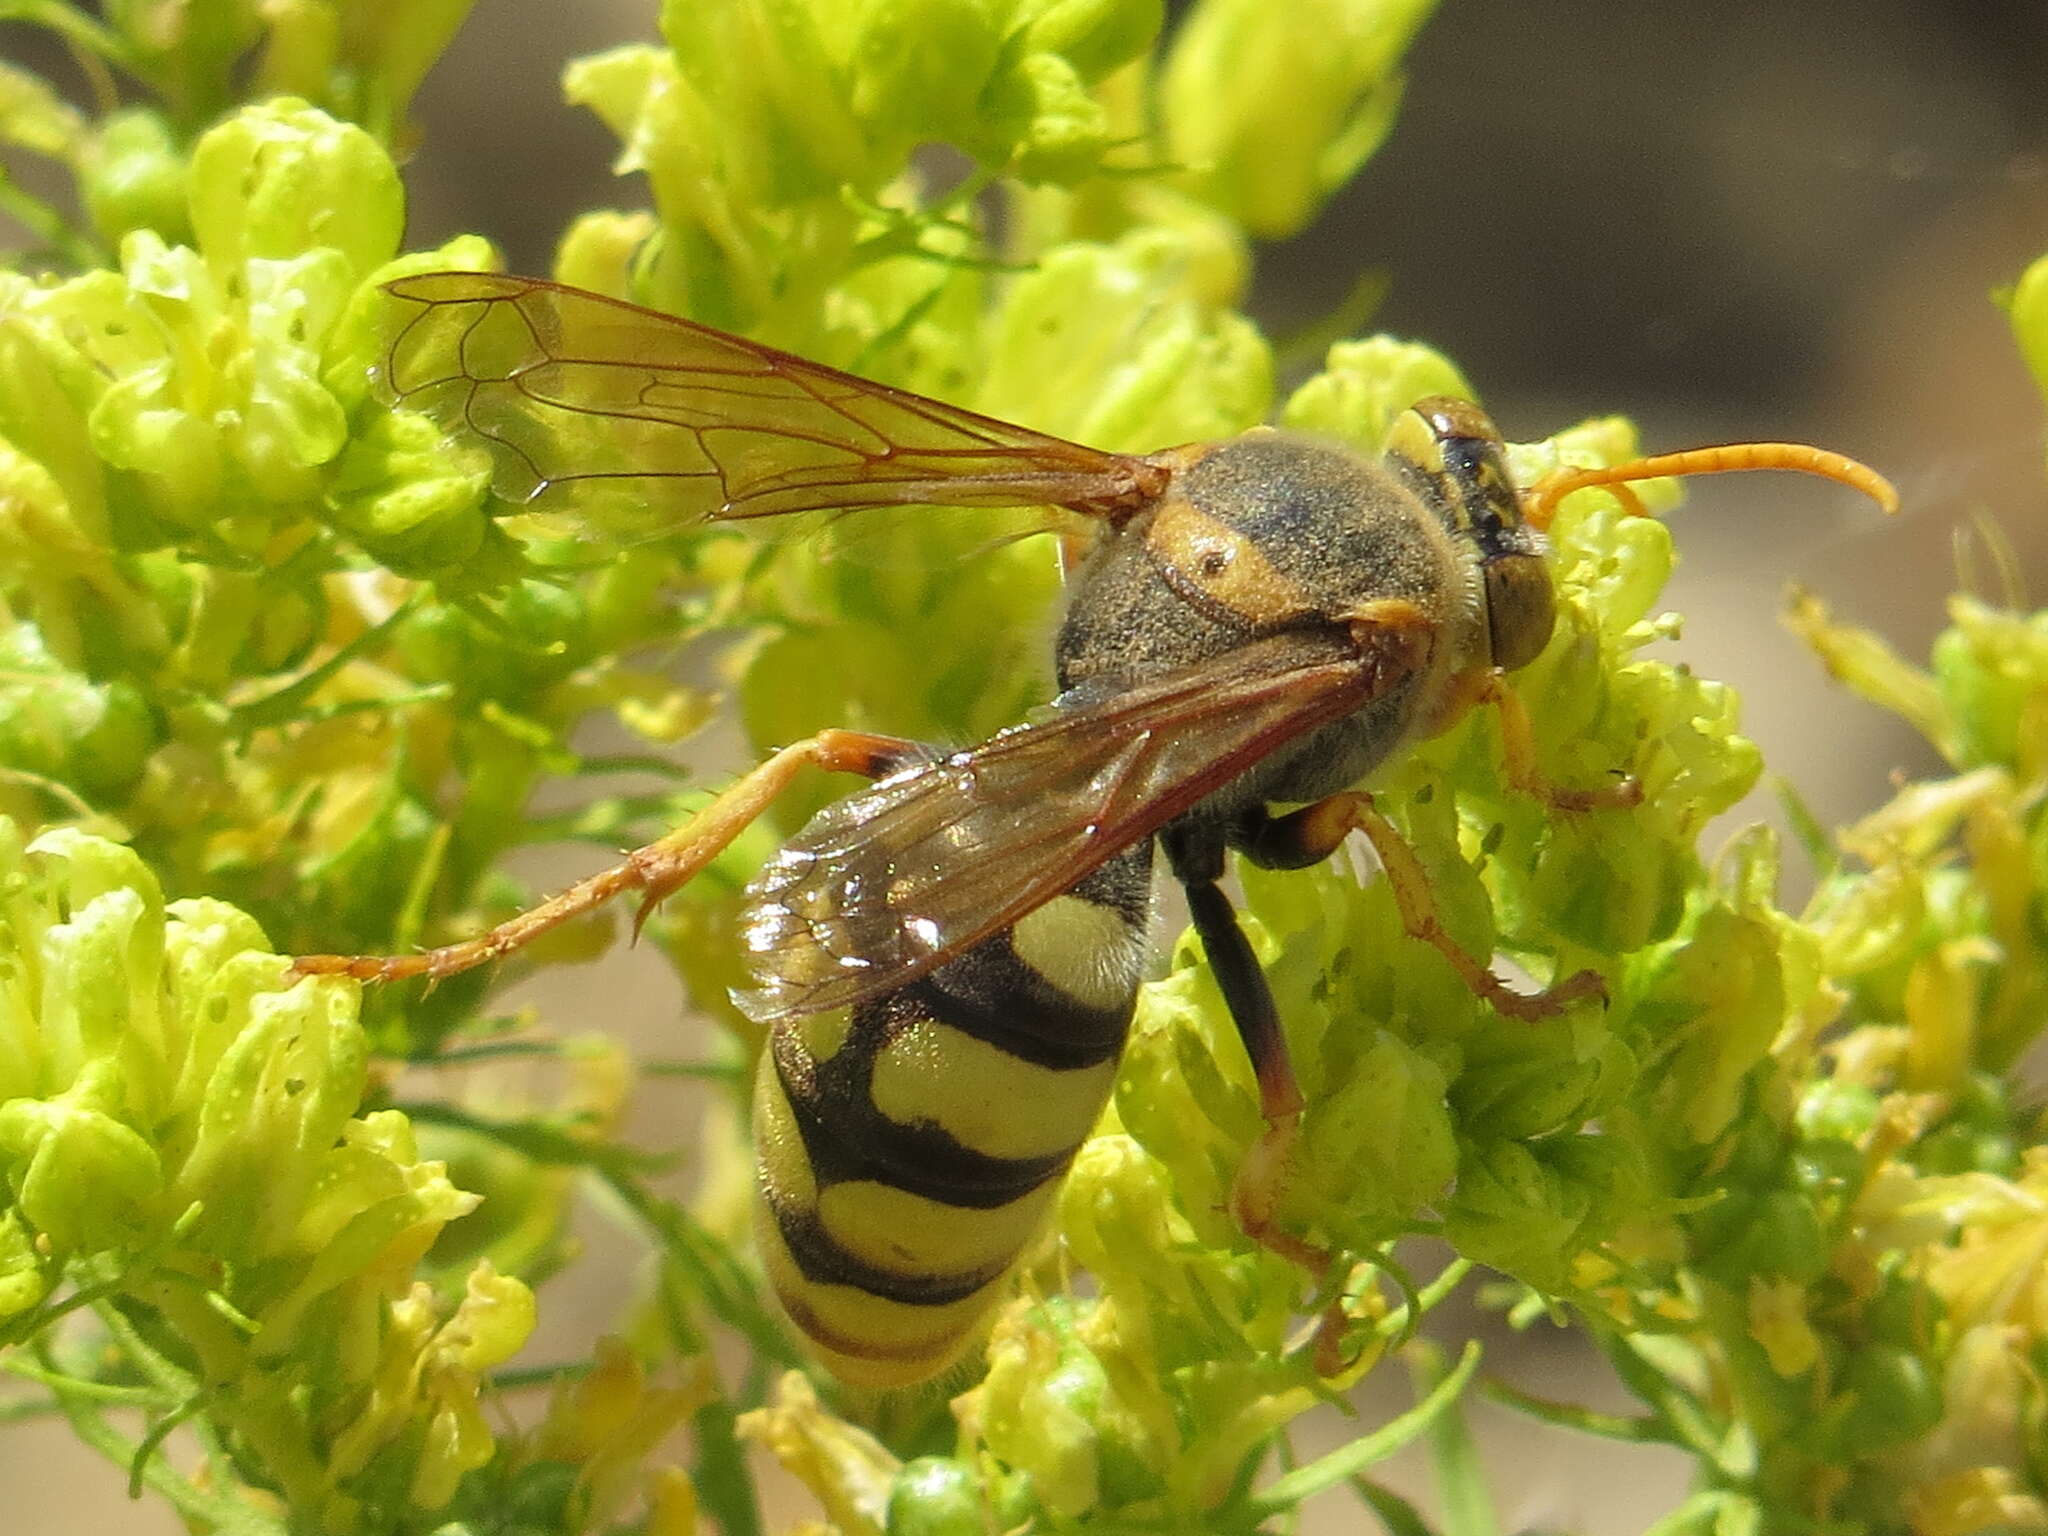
[1081, 947]
[985, 1098]
[907, 1234]
[1417, 438]
[1209, 561]
[1413, 438]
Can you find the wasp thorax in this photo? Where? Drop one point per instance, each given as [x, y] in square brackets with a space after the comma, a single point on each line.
[1271, 531]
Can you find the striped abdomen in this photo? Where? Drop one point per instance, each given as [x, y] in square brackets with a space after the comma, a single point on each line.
[910, 1147]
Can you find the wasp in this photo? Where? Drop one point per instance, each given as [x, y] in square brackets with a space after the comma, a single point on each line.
[947, 962]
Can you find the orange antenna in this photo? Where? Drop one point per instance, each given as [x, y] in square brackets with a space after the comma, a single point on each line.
[1539, 503]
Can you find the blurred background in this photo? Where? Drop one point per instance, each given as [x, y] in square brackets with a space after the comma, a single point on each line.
[1728, 220]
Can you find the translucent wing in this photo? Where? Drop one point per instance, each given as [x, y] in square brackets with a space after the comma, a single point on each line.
[578, 393]
[886, 885]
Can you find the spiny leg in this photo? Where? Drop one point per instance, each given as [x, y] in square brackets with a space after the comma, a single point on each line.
[1314, 832]
[655, 871]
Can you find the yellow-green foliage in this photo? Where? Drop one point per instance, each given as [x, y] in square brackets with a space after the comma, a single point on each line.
[275, 650]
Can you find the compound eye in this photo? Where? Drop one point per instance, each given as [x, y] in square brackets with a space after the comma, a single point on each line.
[1521, 608]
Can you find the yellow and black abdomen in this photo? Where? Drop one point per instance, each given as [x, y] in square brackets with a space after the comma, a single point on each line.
[910, 1147]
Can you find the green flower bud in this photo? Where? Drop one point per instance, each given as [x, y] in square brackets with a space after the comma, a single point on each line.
[1377, 1143]
[141, 421]
[1609, 566]
[52, 485]
[58, 725]
[1610, 883]
[1723, 979]
[919, 67]
[357, 346]
[1038, 1405]
[280, 178]
[84, 934]
[35, 118]
[1891, 1397]
[1058, 130]
[1778, 1321]
[24, 1279]
[490, 1325]
[1117, 1214]
[1777, 1234]
[1272, 119]
[1094, 36]
[1513, 1211]
[1524, 1084]
[936, 1496]
[1365, 384]
[370, 55]
[767, 78]
[1868, 922]
[80, 1177]
[1181, 370]
[1183, 1100]
[1834, 1109]
[1905, 1310]
[413, 501]
[2028, 309]
[134, 176]
[1991, 669]
[600, 251]
[288, 423]
[258, 1156]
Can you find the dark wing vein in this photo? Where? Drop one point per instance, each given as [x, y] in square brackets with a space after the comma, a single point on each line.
[884, 886]
[572, 389]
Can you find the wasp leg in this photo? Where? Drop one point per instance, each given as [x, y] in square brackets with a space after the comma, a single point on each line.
[655, 871]
[1314, 832]
[1262, 1176]
[1518, 753]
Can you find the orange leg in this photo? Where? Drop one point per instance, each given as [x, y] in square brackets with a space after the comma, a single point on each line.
[1308, 836]
[1312, 833]
[1254, 1205]
[1518, 754]
[655, 871]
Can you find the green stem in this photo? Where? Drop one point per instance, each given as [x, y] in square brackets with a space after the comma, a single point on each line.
[219, 1514]
[1346, 1462]
[47, 225]
[1460, 1478]
[1396, 1514]
[76, 28]
[287, 703]
[1641, 1430]
[80, 1386]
